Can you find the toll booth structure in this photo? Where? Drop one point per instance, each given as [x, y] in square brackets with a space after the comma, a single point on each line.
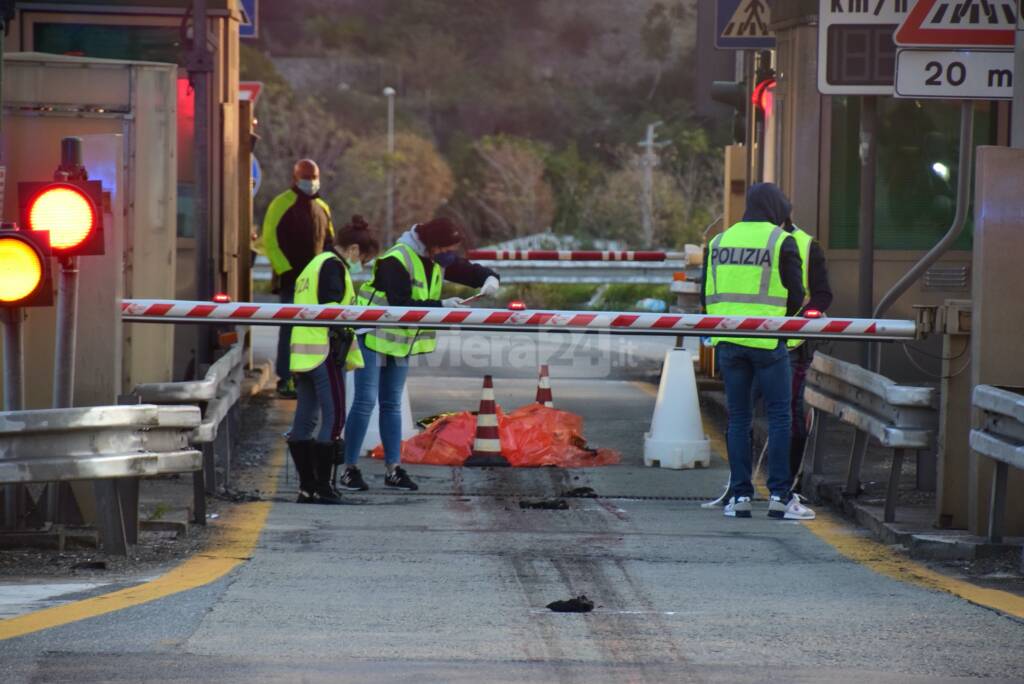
[125, 114]
[159, 31]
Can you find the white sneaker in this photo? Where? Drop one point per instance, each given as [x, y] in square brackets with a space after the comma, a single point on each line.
[738, 507]
[793, 510]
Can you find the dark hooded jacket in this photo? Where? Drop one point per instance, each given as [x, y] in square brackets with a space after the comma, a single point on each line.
[766, 203]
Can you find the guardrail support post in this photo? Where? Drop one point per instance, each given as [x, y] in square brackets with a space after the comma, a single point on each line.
[110, 518]
[998, 510]
[815, 441]
[893, 494]
[857, 451]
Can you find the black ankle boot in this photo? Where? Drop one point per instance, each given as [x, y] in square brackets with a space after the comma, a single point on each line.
[302, 456]
[323, 463]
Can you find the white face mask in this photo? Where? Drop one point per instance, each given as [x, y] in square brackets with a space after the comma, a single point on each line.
[355, 268]
[308, 186]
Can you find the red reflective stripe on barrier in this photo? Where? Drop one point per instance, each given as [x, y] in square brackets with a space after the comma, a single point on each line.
[583, 319]
[750, 324]
[872, 329]
[793, 326]
[413, 316]
[836, 326]
[709, 323]
[288, 312]
[158, 309]
[455, 317]
[540, 318]
[499, 317]
[329, 314]
[667, 322]
[624, 321]
[202, 311]
[371, 315]
[246, 311]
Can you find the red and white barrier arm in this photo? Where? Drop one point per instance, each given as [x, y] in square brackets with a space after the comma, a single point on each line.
[173, 311]
[564, 255]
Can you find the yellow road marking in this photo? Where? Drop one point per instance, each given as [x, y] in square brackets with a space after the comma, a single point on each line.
[231, 545]
[883, 560]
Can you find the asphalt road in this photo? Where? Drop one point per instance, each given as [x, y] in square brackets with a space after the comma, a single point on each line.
[450, 583]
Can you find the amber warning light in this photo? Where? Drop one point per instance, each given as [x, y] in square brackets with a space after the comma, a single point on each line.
[69, 212]
[24, 269]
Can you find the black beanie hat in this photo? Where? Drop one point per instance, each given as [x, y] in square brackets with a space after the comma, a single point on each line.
[439, 232]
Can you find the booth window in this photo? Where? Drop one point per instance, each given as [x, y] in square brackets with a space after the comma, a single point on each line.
[915, 187]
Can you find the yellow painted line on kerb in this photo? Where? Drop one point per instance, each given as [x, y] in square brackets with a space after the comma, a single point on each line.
[231, 545]
[851, 543]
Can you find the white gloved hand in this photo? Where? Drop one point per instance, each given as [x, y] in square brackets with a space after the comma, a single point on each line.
[453, 303]
[491, 286]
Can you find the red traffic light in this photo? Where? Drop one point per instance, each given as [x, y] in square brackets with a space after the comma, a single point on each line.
[764, 96]
[24, 269]
[68, 211]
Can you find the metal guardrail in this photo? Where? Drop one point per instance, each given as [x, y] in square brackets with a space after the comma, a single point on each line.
[112, 445]
[999, 435]
[900, 417]
[558, 272]
[217, 396]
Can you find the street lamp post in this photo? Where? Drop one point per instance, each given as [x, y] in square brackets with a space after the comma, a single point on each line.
[389, 227]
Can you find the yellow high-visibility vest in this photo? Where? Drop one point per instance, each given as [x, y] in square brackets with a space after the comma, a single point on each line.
[311, 345]
[743, 277]
[803, 245]
[403, 342]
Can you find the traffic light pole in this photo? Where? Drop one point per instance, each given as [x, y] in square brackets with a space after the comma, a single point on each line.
[866, 234]
[67, 327]
[200, 68]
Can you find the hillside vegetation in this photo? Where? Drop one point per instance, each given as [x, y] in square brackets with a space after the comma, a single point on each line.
[514, 117]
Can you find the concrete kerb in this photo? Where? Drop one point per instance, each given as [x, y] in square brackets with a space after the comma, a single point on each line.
[915, 532]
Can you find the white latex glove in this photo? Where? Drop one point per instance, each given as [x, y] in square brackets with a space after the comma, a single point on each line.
[453, 303]
[491, 286]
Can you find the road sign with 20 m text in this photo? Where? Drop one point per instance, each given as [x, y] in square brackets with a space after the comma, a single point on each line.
[955, 74]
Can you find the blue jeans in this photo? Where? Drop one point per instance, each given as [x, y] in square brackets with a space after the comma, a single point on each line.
[739, 366]
[284, 338]
[322, 388]
[382, 377]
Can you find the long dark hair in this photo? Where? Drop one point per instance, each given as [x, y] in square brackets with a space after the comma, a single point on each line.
[358, 232]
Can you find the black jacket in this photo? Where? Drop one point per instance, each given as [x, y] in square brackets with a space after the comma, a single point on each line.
[820, 295]
[392, 279]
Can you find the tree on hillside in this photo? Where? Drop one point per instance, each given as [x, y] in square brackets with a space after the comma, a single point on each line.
[423, 181]
[615, 209]
[508, 189]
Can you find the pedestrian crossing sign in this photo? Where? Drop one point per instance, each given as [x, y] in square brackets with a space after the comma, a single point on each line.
[743, 25]
[959, 23]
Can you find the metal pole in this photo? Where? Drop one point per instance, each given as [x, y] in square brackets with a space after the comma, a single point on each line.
[13, 398]
[647, 201]
[868, 167]
[67, 327]
[200, 66]
[389, 223]
[1017, 122]
[748, 79]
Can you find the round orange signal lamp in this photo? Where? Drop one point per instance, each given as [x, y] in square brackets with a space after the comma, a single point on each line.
[66, 213]
[21, 269]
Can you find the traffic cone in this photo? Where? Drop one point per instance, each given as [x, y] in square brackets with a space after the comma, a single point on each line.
[487, 445]
[544, 397]
[677, 439]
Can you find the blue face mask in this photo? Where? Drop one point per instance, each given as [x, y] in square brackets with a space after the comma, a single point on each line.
[355, 268]
[307, 186]
[446, 259]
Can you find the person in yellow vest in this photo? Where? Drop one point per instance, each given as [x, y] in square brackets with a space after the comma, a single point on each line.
[408, 274]
[296, 228]
[754, 269]
[319, 357]
[818, 299]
